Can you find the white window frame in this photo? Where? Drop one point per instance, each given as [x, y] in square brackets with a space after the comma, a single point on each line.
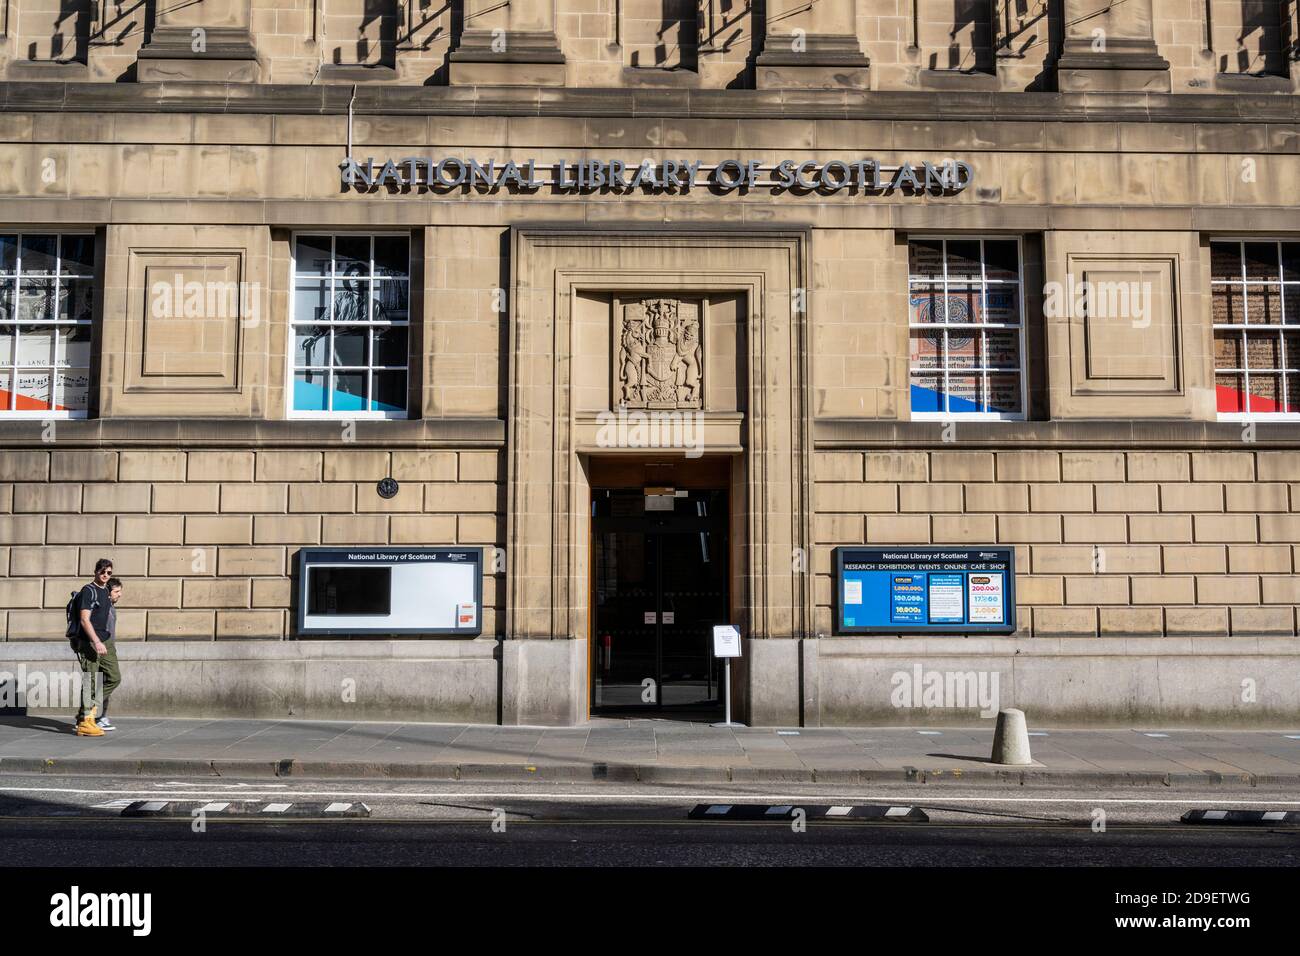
[1284, 327]
[12, 367]
[982, 371]
[369, 323]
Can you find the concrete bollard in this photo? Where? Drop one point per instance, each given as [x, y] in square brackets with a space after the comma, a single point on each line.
[1011, 739]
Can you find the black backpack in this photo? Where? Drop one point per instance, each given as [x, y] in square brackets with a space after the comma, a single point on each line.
[73, 633]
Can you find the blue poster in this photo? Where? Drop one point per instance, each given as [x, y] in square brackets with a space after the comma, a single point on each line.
[907, 599]
[924, 589]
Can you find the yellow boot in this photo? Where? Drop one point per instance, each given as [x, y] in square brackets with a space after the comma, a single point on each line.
[87, 728]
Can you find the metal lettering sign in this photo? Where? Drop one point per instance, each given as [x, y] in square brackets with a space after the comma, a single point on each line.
[865, 176]
[919, 590]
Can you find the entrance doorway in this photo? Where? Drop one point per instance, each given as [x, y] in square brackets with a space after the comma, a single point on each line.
[660, 578]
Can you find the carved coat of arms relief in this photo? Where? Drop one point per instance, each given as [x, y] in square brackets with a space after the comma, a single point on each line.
[660, 359]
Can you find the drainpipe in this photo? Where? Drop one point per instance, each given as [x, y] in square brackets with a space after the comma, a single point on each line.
[351, 100]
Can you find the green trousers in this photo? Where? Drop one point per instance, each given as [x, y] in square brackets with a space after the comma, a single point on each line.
[100, 676]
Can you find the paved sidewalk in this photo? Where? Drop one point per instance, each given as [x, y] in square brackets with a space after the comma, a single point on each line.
[646, 750]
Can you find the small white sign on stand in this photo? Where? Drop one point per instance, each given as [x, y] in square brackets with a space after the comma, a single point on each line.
[726, 644]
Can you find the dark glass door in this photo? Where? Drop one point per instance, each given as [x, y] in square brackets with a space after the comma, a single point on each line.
[660, 587]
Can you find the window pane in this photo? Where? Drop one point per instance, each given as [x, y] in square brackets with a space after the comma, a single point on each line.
[311, 345]
[392, 256]
[349, 391]
[926, 305]
[963, 393]
[1293, 392]
[311, 302]
[1291, 261]
[926, 258]
[351, 300]
[309, 391]
[35, 345]
[390, 392]
[6, 393]
[961, 306]
[1261, 260]
[1264, 305]
[927, 348]
[963, 351]
[1004, 394]
[8, 254]
[1292, 353]
[1002, 348]
[39, 254]
[72, 388]
[312, 256]
[33, 391]
[350, 346]
[36, 300]
[1225, 260]
[76, 299]
[925, 393]
[1002, 305]
[73, 345]
[1227, 349]
[391, 302]
[78, 255]
[7, 300]
[1263, 351]
[1291, 304]
[963, 259]
[1228, 305]
[7, 345]
[390, 346]
[1001, 259]
[1265, 393]
[1230, 393]
[352, 255]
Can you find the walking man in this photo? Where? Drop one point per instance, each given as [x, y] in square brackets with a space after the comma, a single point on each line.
[94, 608]
[108, 665]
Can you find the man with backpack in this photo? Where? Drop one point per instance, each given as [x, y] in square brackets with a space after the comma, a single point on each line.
[91, 620]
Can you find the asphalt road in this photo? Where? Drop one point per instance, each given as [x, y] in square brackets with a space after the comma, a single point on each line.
[50, 820]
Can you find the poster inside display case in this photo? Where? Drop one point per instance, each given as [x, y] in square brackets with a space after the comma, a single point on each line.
[923, 589]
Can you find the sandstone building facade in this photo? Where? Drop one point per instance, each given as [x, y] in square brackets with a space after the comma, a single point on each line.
[658, 304]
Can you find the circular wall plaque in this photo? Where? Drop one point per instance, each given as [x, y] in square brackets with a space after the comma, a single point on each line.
[387, 487]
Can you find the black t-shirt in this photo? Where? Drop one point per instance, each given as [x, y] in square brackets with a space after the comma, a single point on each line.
[94, 599]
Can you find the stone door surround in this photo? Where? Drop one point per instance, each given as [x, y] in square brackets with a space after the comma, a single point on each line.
[548, 495]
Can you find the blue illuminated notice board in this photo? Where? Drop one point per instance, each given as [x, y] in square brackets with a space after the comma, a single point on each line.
[918, 590]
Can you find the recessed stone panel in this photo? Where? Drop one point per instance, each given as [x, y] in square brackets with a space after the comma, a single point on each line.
[1128, 330]
[190, 319]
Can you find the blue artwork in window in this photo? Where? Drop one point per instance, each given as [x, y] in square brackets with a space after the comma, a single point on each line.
[931, 400]
[308, 396]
